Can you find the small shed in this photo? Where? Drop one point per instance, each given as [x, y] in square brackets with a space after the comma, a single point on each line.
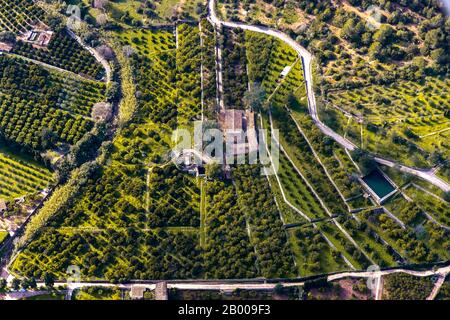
[285, 71]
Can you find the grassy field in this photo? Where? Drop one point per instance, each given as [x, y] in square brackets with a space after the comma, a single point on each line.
[138, 12]
[367, 238]
[343, 245]
[404, 120]
[437, 207]
[99, 293]
[337, 162]
[148, 42]
[298, 192]
[313, 254]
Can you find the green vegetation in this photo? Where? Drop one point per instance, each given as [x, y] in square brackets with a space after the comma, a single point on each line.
[39, 108]
[110, 212]
[47, 297]
[64, 52]
[3, 236]
[123, 211]
[189, 74]
[138, 13]
[174, 198]
[17, 17]
[148, 42]
[408, 212]
[370, 241]
[406, 120]
[228, 251]
[209, 68]
[410, 245]
[235, 79]
[391, 78]
[344, 246]
[298, 192]
[97, 293]
[266, 232]
[313, 254]
[400, 286]
[344, 289]
[336, 161]
[437, 207]
[444, 292]
[21, 176]
[302, 156]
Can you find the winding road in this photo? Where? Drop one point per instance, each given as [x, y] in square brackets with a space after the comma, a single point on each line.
[96, 55]
[306, 56]
[231, 285]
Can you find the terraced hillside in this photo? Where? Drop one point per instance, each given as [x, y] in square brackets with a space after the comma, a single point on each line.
[132, 214]
[389, 76]
[406, 121]
[311, 162]
[135, 219]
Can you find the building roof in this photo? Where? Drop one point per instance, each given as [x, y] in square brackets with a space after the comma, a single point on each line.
[40, 37]
[232, 120]
[5, 47]
[285, 71]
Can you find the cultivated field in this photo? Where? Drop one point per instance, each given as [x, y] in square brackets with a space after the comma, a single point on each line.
[20, 176]
[19, 16]
[59, 111]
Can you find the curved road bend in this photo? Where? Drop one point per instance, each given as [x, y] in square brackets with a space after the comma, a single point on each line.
[307, 67]
[96, 55]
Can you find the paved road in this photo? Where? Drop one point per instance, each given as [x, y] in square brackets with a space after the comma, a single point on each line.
[96, 55]
[437, 287]
[307, 67]
[257, 285]
[373, 274]
[427, 175]
[379, 289]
